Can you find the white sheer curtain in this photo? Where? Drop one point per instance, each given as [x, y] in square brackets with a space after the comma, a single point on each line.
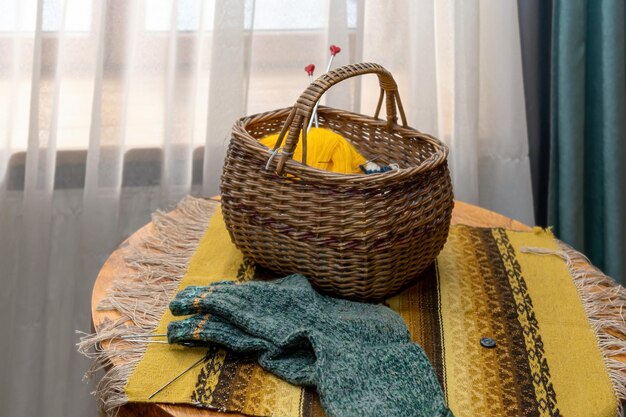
[110, 109]
[459, 69]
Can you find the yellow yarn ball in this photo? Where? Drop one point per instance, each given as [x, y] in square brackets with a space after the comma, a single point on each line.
[326, 150]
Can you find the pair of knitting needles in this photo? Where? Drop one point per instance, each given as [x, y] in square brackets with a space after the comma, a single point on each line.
[170, 382]
[148, 338]
[334, 50]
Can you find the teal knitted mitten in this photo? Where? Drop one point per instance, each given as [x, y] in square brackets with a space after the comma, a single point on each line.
[359, 356]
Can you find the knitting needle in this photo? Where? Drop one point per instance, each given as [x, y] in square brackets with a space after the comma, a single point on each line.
[309, 70]
[164, 342]
[131, 336]
[334, 50]
[143, 338]
[177, 376]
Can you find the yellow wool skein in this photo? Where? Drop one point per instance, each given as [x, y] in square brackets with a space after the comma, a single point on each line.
[326, 150]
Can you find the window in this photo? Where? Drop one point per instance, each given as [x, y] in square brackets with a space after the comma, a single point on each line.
[284, 35]
[269, 15]
[21, 16]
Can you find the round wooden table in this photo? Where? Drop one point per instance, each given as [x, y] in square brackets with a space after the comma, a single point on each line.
[463, 214]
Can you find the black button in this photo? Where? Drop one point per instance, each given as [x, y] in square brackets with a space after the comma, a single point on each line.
[488, 342]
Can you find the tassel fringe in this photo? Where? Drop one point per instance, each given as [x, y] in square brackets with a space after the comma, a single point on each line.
[603, 300]
[141, 297]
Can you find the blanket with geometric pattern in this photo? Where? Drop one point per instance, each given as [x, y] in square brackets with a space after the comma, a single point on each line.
[511, 323]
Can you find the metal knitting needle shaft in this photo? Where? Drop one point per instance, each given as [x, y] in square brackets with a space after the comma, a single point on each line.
[176, 377]
[314, 113]
[310, 69]
[334, 50]
[132, 336]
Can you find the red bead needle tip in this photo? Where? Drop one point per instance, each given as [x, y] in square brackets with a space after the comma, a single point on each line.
[310, 69]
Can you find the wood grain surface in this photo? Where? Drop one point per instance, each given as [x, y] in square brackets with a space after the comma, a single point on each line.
[463, 214]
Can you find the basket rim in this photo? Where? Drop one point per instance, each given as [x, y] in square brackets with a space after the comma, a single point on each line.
[292, 167]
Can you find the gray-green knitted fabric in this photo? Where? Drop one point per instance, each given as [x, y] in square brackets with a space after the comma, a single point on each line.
[359, 356]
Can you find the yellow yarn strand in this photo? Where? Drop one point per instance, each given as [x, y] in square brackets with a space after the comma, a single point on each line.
[326, 150]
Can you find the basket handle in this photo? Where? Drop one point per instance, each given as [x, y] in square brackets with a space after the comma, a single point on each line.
[301, 112]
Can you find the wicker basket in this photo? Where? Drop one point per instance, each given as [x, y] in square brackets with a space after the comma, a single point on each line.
[361, 237]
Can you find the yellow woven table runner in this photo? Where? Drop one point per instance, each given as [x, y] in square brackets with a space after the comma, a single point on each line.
[486, 283]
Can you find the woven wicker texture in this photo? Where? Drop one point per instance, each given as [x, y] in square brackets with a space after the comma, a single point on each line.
[361, 237]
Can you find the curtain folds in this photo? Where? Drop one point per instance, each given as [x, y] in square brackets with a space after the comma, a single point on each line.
[587, 193]
[461, 80]
[110, 109]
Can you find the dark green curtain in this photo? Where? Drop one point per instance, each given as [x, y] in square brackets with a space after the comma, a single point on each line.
[535, 19]
[587, 168]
